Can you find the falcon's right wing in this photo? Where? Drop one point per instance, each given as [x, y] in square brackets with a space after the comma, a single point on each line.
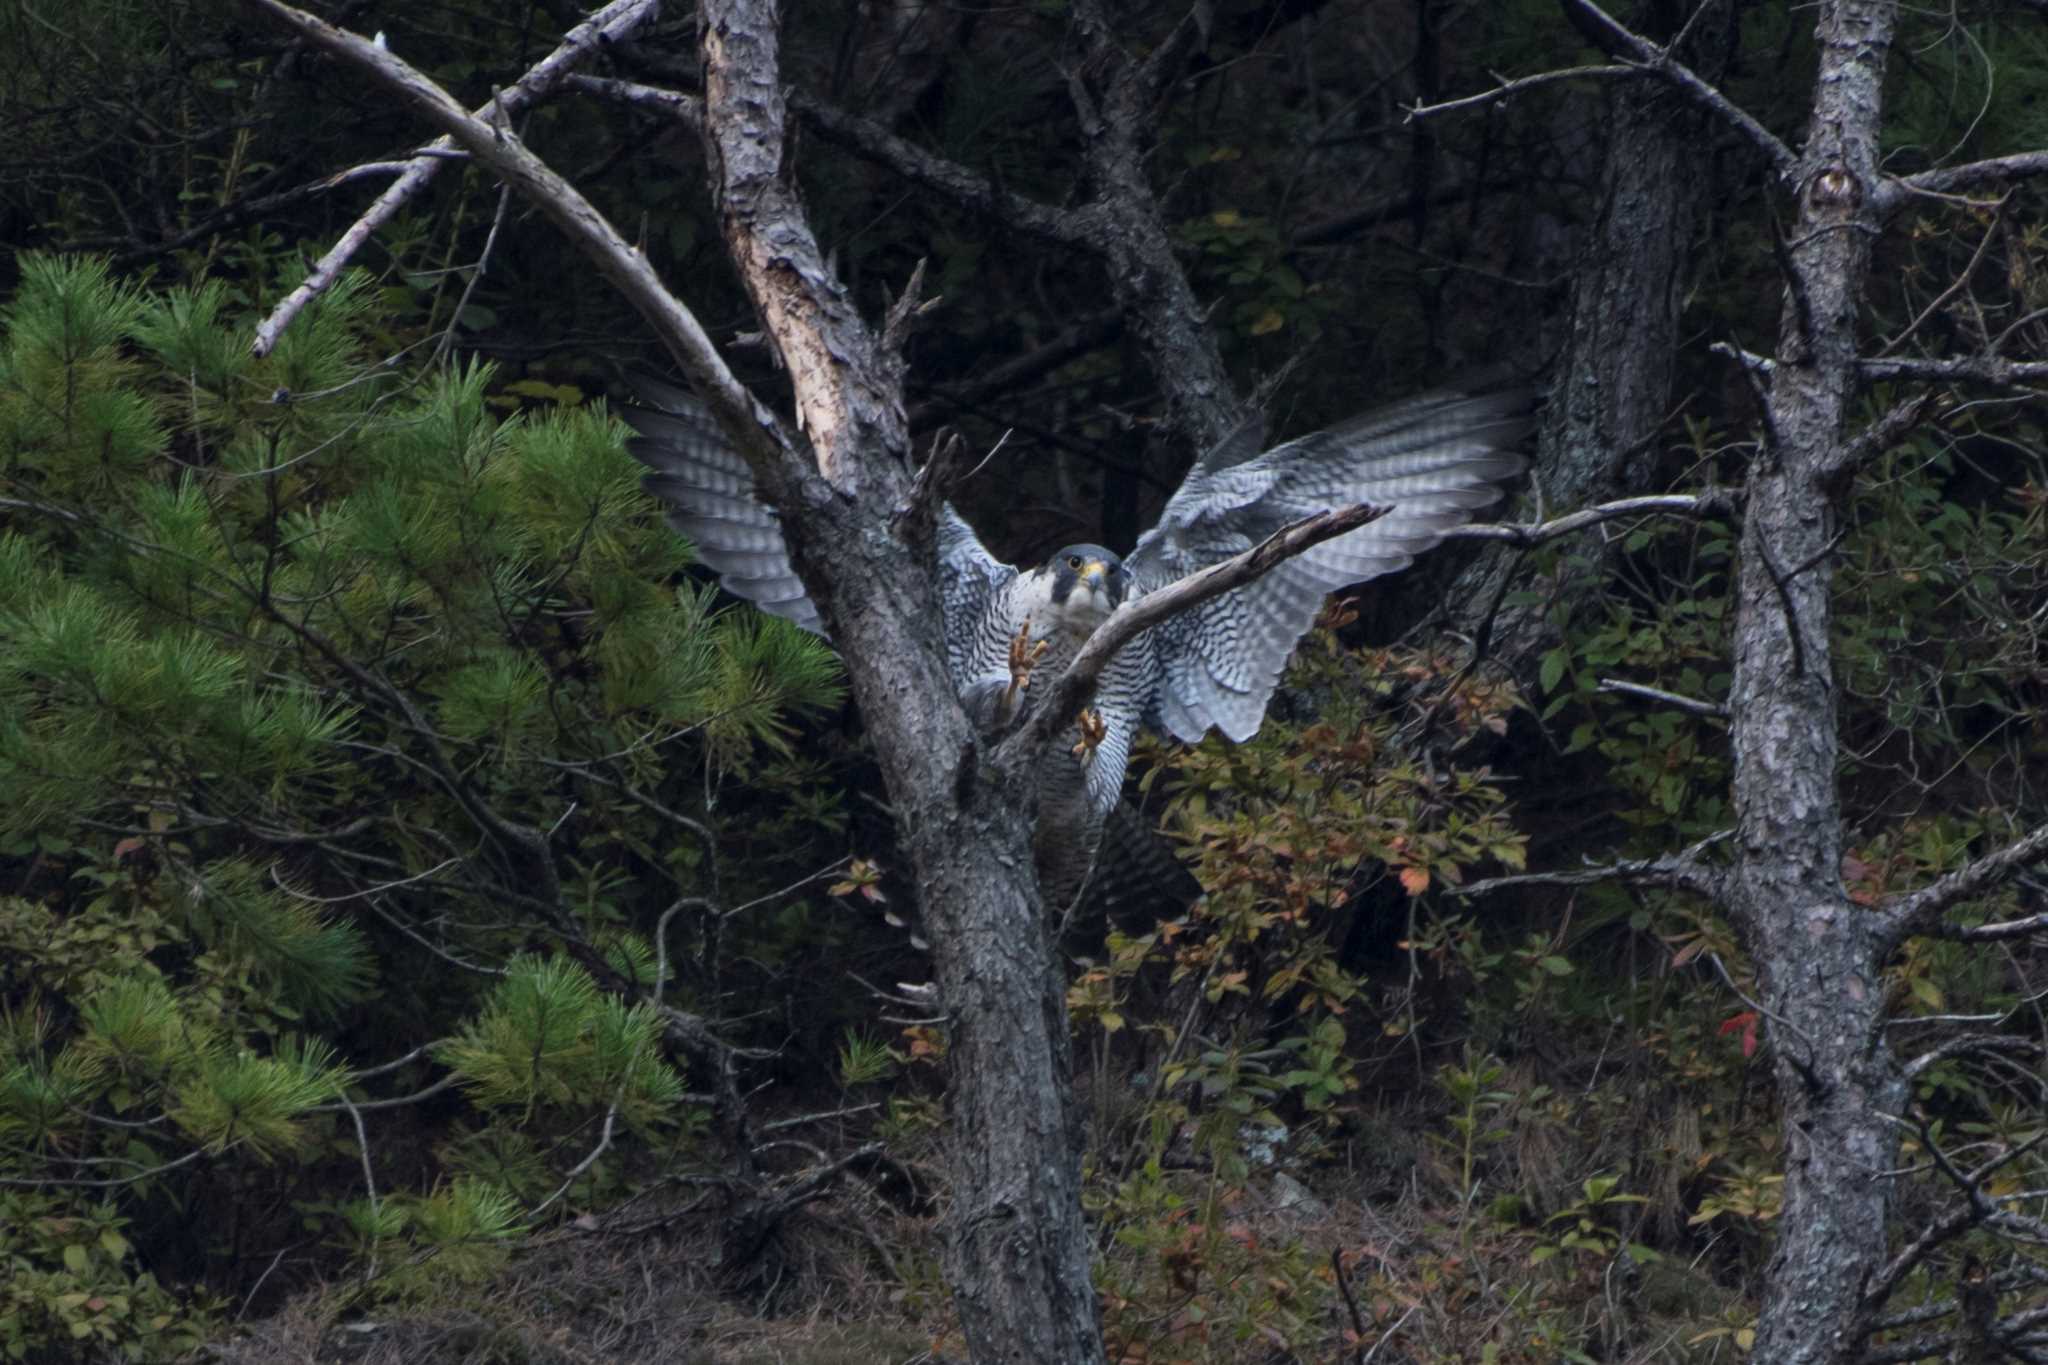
[710, 495]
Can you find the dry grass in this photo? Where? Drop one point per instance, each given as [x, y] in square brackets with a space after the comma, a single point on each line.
[598, 1300]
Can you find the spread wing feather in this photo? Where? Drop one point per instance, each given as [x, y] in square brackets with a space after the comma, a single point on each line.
[710, 495]
[1433, 460]
[969, 579]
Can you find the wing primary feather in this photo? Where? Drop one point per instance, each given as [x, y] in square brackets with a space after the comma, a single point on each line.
[1431, 460]
[709, 492]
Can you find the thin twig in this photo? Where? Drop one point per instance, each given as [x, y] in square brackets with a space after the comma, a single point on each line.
[1690, 705]
[1505, 89]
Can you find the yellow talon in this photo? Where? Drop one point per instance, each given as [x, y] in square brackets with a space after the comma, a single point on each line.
[1094, 729]
[1024, 656]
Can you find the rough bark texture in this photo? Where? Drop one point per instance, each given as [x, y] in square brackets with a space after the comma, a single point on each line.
[1114, 97]
[1818, 955]
[1018, 1252]
[1613, 374]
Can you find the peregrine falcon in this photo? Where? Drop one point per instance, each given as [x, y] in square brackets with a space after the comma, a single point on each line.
[1431, 460]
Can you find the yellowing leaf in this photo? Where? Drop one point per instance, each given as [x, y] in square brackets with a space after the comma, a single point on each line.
[1269, 321]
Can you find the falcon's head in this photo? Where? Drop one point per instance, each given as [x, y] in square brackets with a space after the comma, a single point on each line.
[1082, 584]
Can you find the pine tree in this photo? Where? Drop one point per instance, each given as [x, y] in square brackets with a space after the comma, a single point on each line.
[327, 694]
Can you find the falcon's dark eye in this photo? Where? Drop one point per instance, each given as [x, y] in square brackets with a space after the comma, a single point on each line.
[1073, 561]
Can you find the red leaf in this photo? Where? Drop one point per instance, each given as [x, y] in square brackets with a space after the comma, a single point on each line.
[1747, 1022]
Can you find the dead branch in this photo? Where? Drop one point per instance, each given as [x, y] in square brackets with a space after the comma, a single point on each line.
[1620, 41]
[1978, 1210]
[1886, 432]
[1507, 89]
[613, 22]
[949, 179]
[1714, 502]
[1919, 912]
[1987, 369]
[1966, 1044]
[753, 428]
[685, 109]
[1685, 870]
[1676, 701]
[1894, 194]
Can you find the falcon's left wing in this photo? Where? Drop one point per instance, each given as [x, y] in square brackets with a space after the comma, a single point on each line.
[1433, 460]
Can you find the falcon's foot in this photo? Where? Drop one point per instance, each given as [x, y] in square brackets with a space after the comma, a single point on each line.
[1024, 656]
[1094, 729]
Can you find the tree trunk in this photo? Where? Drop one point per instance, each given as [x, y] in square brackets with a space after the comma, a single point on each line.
[1018, 1252]
[1818, 955]
[1613, 372]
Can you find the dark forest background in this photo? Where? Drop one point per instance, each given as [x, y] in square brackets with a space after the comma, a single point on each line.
[435, 924]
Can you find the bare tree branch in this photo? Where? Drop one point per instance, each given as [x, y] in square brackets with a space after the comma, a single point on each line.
[869, 139]
[614, 21]
[1887, 431]
[1978, 1210]
[1999, 932]
[1986, 369]
[686, 109]
[1894, 194]
[1714, 502]
[1621, 41]
[626, 268]
[1690, 705]
[1965, 1045]
[1507, 89]
[1920, 911]
[1685, 870]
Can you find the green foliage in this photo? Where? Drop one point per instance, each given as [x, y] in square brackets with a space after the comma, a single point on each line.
[548, 1036]
[289, 648]
[1671, 632]
[70, 1289]
[864, 1060]
[1476, 1106]
[252, 1101]
[1243, 258]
